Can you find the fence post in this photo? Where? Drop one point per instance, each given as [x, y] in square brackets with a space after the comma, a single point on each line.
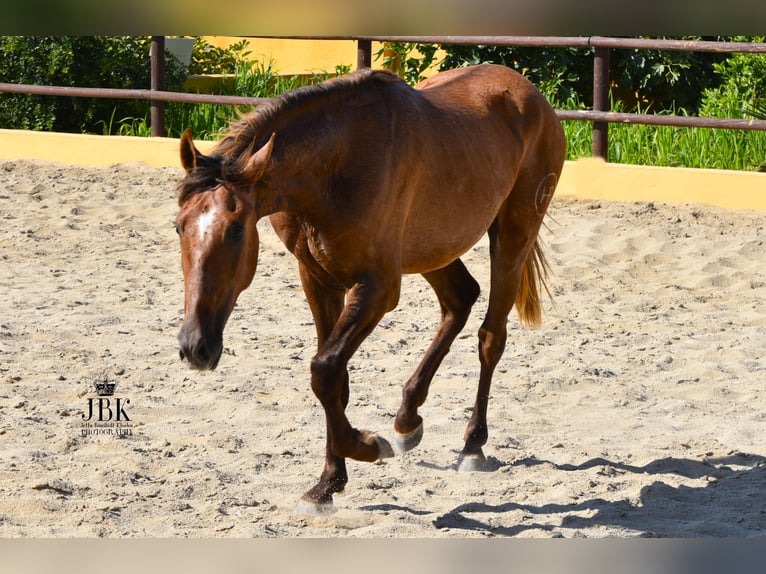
[601, 101]
[363, 54]
[158, 83]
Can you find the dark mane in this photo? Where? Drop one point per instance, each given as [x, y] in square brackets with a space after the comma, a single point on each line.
[250, 132]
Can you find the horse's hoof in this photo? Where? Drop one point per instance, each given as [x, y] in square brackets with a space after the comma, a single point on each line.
[472, 463]
[407, 441]
[305, 507]
[384, 447]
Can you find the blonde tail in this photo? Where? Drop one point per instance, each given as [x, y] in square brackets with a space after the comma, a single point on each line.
[528, 298]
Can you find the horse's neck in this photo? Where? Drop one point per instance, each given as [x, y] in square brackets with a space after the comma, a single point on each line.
[302, 159]
[311, 142]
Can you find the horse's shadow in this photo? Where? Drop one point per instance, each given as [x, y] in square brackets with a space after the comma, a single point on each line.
[731, 503]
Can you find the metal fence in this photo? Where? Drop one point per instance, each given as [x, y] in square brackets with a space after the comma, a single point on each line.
[600, 115]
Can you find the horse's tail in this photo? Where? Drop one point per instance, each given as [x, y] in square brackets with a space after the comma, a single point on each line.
[528, 298]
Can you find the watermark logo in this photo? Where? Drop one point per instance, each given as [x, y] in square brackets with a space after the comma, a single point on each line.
[544, 192]
[106, 414]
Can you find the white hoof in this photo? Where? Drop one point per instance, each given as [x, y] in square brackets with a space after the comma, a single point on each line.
[305, 507]
[472, 463]
[386, 451]
[408, 441]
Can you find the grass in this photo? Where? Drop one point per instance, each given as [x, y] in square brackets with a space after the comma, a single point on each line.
[207, 121]
[672, 147]
[743, 150]
[631, 144]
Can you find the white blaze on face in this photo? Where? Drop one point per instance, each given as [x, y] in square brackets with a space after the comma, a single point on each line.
[205, 221]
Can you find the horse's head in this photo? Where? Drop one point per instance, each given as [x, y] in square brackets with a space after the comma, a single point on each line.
[219, 246]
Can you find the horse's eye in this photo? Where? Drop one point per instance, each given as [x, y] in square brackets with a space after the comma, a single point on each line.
[236, 232]
[178, 229]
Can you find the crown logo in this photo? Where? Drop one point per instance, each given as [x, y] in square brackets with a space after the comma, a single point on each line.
[104, 389]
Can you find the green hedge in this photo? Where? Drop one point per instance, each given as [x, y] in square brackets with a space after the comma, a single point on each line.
[84, 61]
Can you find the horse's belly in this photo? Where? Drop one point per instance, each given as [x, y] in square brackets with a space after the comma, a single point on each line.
[425, 260]
[452, 207]
[435, 242]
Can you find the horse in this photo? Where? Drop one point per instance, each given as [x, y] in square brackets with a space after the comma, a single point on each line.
[365, 179]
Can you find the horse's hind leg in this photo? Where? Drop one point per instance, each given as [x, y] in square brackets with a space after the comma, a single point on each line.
[457, 291]
[512, 237]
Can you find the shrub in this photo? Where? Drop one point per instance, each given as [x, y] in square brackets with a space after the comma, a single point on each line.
[252, 79]
[742, 85]
[209, 59]
[83, 61]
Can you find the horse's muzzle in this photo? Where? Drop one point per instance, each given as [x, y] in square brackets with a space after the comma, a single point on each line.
[202, 353]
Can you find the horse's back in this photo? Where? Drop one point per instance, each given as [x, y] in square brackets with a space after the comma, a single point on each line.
[490, 107]
[481, 86]
[478, 129]
[485, 74]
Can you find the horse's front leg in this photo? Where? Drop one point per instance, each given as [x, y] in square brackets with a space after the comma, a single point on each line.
[366, 303]
[325, 298]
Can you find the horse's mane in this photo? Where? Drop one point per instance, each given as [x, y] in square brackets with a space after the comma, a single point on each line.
[250, 132]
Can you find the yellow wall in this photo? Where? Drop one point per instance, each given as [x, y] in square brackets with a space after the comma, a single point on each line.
[593, 178]
[587, 178]
[302, 57]
[292, 57]
[90, 150]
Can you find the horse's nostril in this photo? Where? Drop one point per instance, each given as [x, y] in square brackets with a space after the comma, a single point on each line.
[201, 352]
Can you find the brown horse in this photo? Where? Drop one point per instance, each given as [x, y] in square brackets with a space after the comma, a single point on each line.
[365, 179]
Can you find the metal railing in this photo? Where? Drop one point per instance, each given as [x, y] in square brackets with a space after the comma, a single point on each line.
[600, 115]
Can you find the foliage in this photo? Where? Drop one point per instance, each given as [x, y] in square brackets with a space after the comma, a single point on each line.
[32, 60]
[662, 80]
[252, 79]
[742, 84]
[123, 62]
[563, 74]
[741, 93]
[686, 147]
[83, 61]
[209, 59]
[655, 79]
[756, 109]
[644, 81]
[409, 60]
[670, 146]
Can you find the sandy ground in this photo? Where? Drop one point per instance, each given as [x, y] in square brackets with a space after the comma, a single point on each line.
[637, 411]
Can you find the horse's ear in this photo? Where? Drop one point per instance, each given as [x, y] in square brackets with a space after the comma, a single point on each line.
[189, 153]
[256, 165]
